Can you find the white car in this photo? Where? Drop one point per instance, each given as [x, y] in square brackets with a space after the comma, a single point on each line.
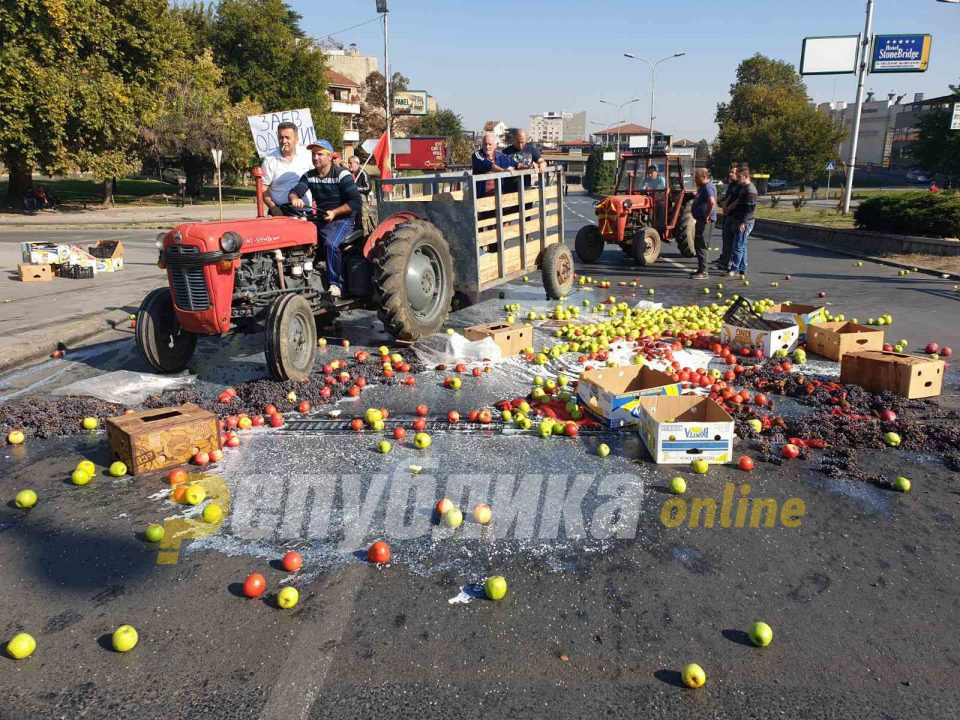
[777, 185]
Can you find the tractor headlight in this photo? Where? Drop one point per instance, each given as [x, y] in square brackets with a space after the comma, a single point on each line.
[160, 238]
[230, 242]
[627, 204]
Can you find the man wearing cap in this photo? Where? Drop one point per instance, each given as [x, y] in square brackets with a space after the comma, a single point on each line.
[284, 167]
[336, 199]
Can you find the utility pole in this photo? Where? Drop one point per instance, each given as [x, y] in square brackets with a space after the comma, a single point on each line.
[653, 85]
[865, 45]
[616, 163]
[382, 9]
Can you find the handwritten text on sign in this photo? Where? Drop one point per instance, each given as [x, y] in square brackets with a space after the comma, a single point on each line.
[264, 128]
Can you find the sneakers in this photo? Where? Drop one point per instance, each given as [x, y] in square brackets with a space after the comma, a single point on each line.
[732, 273]
[335, 291]
[699, 276]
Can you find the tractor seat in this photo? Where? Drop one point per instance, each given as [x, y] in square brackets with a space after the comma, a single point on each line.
[351, 239]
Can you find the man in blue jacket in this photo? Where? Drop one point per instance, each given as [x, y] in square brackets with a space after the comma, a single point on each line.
[490, 160]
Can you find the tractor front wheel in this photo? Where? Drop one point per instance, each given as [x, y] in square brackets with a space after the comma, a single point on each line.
[646, 247]
[290, 341]
[589, 244]
[557, 270]
[414, 280]
[165, 345]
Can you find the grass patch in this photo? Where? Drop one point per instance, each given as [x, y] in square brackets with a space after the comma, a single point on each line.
[806, 215]
[132, 191]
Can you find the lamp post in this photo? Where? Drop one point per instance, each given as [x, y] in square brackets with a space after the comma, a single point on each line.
[653, 85]
[620, 107]
[382, 9]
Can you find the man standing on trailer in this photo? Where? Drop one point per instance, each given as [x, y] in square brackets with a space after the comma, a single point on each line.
[337, 201]
[490, 160]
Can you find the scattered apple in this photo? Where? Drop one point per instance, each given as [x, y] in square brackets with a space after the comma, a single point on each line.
[603, 449]
[154, 533]
[453, 416]
[745, 463]
[384, 447]
[21, 646]
[90, 423]
[15, 437]
[399, 433]
[124, 638]
[699, 466]
[420, 424]
[304, 407]
[482, 513]
[379, 553]
[931, 348]
[678, 486]
[245, 423]
[288, 597]
[201, 459]
[216, 455]
[421, 410]
[80, 477]
[495, 588]
[254, 586]
[946, 352]
[195, 494]
[790, 451]
[211, 513]
[693, 676]
[117, 469]
[888, 416]
[902, 484]
[892, 439]
[452, 518]
[421, 441]
[760, 634]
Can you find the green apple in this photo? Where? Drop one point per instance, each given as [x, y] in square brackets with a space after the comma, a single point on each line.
[25, 499]
[603, 449]
[538, 380]
[699, 466]
[650, 291]
[154, 533]
[693, 676]
[378, 425]
[384, 447]
[212, 513]
[902, 484]
[760, 634]
[89, 423]
[88, 467]
[563, 380]
[755, 424]
[545, 428]
[800, 356]
[678, 486]
[124, 638]
[892, 439]
[495, 587]
[117, 469]
[21, 646]
[195, 494]
[372, 415]
[288, 597]
[421, 441]
[452, 518]
[80, 477]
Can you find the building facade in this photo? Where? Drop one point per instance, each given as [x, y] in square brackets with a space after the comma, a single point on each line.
[877, 123]
[498, 128]
[550, 128]
[349, 63]
[345, 104]
[906, 128]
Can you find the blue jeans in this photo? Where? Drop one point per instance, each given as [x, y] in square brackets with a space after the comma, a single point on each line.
[332, 234]
[738, 258]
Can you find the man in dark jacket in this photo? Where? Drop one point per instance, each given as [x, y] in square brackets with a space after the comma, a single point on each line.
[729, 198]
[741, 216]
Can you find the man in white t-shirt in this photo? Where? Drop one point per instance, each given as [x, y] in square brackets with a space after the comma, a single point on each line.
[283, 168]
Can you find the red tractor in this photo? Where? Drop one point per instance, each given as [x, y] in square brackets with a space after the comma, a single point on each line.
[640, 215]
[264, 273]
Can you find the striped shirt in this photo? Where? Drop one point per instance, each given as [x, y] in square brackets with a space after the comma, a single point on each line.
[330, 191]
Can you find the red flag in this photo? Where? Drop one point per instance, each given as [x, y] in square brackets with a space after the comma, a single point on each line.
[382, 159]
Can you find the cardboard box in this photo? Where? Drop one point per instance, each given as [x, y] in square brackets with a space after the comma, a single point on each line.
[35, 273]
[511, 339]
[801, 315]
[908, 375]
[153, 440]
[43, 253]
[680, 429]
[107, 249]
[835, 339]
[79, 256]
[743, 327]
[611, 395]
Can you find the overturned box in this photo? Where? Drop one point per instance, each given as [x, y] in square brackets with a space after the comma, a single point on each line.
[800, 315]
[908, 375]
[835, 339]
[43, 253]
[680, 429]
[610, 395]
[106, 249]
[511, 339]
[153, 440]
[743, 327]
[35, 273]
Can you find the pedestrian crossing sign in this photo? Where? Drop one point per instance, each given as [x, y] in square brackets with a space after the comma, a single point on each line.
[831, 166]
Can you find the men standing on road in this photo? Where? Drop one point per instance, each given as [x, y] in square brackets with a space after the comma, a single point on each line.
[337, 202]
[489, 160]
[283, 168]
[742, 217]
[704, 211]
[727, 203]
[814, 189]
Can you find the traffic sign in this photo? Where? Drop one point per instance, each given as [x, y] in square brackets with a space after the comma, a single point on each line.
[831, 166]
[955, 119]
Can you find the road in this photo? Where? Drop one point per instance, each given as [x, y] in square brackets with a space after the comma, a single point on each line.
[605, 603]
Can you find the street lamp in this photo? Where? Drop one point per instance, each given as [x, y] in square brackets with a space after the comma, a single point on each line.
[620, 107]
[382, 10]
[653, 83]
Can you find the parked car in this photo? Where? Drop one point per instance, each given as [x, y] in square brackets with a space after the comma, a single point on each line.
[776, 185]
[919, 177]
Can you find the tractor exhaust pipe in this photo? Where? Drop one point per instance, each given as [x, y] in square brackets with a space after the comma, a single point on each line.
[257, 173]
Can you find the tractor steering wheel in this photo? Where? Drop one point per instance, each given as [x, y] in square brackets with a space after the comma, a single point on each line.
[289, 210]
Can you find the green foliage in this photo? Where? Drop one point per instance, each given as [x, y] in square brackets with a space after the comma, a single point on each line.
[448, 124]
[911, 213]
[770, 124]
[937, 147]
[599, 177]
[373, 109]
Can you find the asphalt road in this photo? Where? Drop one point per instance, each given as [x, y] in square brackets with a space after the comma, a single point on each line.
[862, 596]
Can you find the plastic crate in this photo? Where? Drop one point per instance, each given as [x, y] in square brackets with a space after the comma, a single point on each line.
[75, 272]
[742, 315]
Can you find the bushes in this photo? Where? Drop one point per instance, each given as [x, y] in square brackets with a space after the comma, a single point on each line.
[599, 176]
[911, 213]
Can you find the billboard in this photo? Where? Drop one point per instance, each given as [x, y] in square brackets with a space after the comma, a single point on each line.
[423, 153]
[830, 55]
[410, 102]
[900, 53]
[264, 128]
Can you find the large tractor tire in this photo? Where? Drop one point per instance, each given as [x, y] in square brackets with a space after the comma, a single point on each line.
[589, 244]
[414, 280]
[646, 247]
[165, 345]
[290, 341]
[556, 266]
[686, 232]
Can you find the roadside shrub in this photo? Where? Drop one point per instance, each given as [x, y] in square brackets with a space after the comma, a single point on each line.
[912, 213]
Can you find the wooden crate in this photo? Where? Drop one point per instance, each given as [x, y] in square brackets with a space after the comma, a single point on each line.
[512, 339]
[35, 273]
[153, 440]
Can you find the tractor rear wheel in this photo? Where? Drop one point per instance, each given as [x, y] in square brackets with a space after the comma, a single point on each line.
[646, 247]
[290, 342]
[165, 345]
[414, 280]
[556, 266]
[627, 247]
[589, 244]
[686, 232]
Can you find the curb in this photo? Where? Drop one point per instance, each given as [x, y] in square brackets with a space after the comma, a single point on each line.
[860, 256]
[78, 333]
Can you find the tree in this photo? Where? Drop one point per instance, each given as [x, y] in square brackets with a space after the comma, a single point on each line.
[78, 81]
[195, 115]
[937, 147]
[770, 123]
[599, 176]
[266, 57]
[373, 108]
[448, 124]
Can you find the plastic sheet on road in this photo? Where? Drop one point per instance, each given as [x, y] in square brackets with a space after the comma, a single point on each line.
[448, 348]
[126, 387]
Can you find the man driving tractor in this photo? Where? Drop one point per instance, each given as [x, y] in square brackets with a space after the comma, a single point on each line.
[653, 181]
[337, 201]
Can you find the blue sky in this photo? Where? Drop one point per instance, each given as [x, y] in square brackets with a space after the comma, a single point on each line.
[503, 59]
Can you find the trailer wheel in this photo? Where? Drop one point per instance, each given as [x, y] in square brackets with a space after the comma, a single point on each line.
[165, 346]
[646, 247]
[686, 232]
[589, 244]
[414, 280]
[556, 266]
[290, 341]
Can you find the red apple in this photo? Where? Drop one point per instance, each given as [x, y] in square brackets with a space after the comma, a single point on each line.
[571, 429]
[258, 421]
[233, 421]
[399, 433]
[276, 420]
[292, 561]
[946, 352]
[931, 348]
[421, 410]
[216, 455]
[356, 424]
[254, 586]
[361, 382]
[477, 372]
[473, 415]
[325, 392]
[344, 377]
[304, 407]
[821, 294]
[420, 424]
[224, 397]
[201, 458]
[177, 476]
[453, 416]
[888, 416]
[745, 463]
[379, 552]
[409, 381]
[760, 399]
[790, 451]
[442, 505]
[354, 391]
[232, 441]
[485, 416]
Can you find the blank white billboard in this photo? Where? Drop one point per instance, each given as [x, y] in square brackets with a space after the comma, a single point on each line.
[834, 55]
